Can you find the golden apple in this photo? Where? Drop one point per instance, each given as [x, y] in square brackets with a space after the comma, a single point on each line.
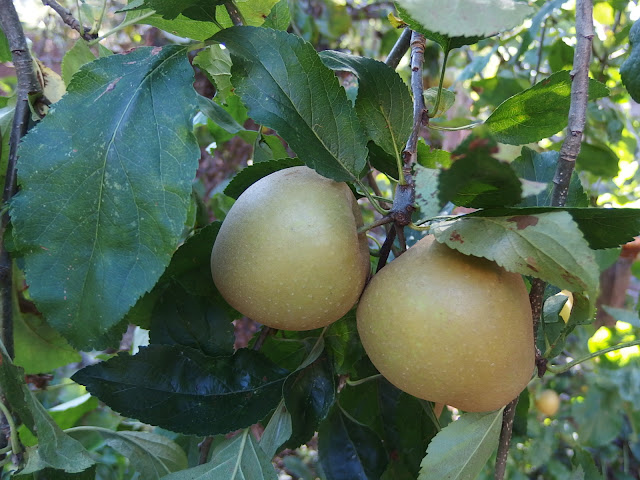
[548, 402]
[449, 328]
[288, 254]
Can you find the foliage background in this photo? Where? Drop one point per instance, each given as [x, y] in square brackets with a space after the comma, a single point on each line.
[597, 426]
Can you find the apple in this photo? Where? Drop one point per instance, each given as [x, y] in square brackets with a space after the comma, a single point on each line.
[548, 402]
[288, 254]
[449, 328]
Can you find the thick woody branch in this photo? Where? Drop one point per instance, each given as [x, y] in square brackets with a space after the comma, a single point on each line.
[417, 88]
[566, 164]
[28, 85]
[69, 19]
[579, 96]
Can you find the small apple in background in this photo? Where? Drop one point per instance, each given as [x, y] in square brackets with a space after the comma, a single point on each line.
[288, 254]
[548, 402]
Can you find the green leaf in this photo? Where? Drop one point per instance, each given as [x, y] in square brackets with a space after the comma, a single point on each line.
[66, 415]
[461, 450]
[236, 458]
[630, 69]
[77, 56]
[470, 18]
[602, 227]
[426, 180]
[343, 344]
[215, 62]
[254, 13]
[183, 390]
[251, 174]
[286, 87]
[547, 245]
[447, 99]
[538, 112]
[219, 115]
[383, 104]
[277, 431]
[55, 449]
[38, 347]
[348, 450]
[478, 180]
[190, 268]
[541, 167]
[309, 394]
[288, 348]
[103, 202]
[182, 319]
[53, 474]
[280, 17]
[447, 43]
[598, 159]
[152, 455]
[204, 10]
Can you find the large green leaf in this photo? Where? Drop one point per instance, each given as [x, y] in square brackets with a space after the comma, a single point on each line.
[461, 450]
[478, 180]
[251, 174]
[195, 9]
[38, 347]
[630, 69]
[277, 431]
[601, 227]
[598, 159]
[104, 199]
[383, 104]
[343, 344]
[447, 42]
[538, 112]
[541, 167]
[546, 245]
[202, 25]
[284, 84]
[236, 458]
[181, 389]
[309, 394]
[183, 319]
[469, 17]
[56, 449]
[348, 450]
[152, 455]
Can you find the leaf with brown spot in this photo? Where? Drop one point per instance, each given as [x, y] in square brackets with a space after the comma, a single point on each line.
[549, 246]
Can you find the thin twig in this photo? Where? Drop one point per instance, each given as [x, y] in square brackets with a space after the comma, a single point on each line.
[386, 249]
[539, 62]
[536, 297]
[566, 163]
[69, 19]
[27, 85]
[234, 14]
[399, 49]
[205, 447]
[417, 88]
[579, 97]
[508, 416]
[264, 333]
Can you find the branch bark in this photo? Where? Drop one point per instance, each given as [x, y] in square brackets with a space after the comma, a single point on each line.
[579, 96]
[28, 85]
[566, 164]
[69, 19]
[234, 14]
[417, 88]
[399, 49]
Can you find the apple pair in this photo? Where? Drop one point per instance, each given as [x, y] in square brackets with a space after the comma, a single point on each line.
[438, 324]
